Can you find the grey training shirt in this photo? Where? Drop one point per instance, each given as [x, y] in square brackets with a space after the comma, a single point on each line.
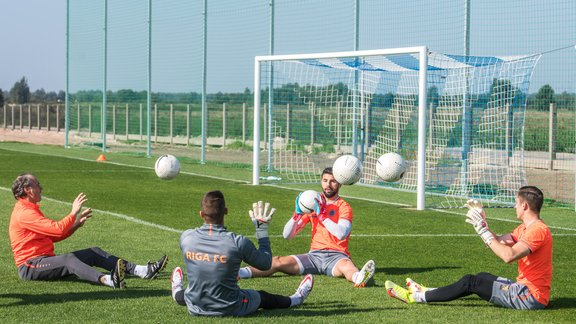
[213, 256]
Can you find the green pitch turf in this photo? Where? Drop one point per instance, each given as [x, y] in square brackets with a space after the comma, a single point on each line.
[140, 217]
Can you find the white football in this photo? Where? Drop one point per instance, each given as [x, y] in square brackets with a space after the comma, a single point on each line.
[167, 167]
[307, 201]
[391, 167]
[347, 169]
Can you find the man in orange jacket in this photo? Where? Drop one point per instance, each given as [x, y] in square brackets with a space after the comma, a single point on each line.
[32, 237]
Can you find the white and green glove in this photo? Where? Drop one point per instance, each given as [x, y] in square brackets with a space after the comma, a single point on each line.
[261, 214]
[477, 218]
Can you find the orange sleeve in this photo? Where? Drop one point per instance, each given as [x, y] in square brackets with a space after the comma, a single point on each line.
[56, 230]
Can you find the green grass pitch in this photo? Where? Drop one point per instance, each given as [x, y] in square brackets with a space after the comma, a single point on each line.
[139, 217]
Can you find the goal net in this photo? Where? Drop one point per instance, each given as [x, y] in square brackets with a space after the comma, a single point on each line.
[456, 120]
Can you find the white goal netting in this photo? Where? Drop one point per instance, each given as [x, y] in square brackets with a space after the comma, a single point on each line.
[316, 109]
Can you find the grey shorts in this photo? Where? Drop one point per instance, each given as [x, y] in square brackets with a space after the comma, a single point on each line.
[513, 295]
[319, 262]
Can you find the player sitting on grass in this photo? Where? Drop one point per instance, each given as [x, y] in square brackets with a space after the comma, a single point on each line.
[331, 227]
[212, 256]
[33, 236]
[530, 244]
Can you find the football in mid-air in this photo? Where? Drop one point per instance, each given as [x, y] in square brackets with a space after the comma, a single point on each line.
[167, 167]
[347, 169]
[307, 201]
[391, 167]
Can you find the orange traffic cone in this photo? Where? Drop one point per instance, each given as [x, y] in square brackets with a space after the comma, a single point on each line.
[101, 158]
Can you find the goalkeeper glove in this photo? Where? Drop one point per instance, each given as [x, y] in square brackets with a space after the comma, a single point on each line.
[476, 219]
[320, 208]
[261, 214]
[475, 204]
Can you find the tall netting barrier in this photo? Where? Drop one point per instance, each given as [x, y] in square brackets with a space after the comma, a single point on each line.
[326, 105]
[178, 75]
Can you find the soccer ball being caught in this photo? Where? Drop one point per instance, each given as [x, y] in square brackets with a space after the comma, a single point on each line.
[167, 167]
[391, 167]
[307, 201]
[347, 169]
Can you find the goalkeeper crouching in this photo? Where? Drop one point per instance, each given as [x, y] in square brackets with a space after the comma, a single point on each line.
[530, 244]
[213, 255]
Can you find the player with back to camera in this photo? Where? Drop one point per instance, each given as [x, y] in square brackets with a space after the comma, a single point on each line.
[331, 226]
[212, 256]
[530, 243]
[32, 237]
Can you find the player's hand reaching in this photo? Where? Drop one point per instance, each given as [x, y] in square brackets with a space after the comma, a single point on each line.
[261, 214]
[77, 204]
[477, 218]
[320, 208]
[297, 209]
[84, 215]
[476, 205]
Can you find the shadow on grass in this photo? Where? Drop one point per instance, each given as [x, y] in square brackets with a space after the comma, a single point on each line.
[562, 303]
[57, 298]
[315, 309]
[406, 271]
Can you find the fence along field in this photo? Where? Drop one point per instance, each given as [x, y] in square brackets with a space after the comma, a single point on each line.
[548, 135]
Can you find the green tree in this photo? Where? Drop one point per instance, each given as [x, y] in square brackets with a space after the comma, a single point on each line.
[544, 97]
[20, 92]
[1, 97]
[502, 92]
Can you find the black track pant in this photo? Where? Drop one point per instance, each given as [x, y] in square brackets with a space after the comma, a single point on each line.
[267, 300]
[480, 284]
[78, 263]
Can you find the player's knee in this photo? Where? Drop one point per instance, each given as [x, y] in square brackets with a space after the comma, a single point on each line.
[276, 263]
[97, 250]
[283, 264]
[467, 280]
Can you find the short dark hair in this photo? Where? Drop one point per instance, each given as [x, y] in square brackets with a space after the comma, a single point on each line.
[532, 196]
[327, 170]
[22, 182]
[214, 205]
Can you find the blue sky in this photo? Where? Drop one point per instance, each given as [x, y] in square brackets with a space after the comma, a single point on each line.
[33, 34]
[33, 37]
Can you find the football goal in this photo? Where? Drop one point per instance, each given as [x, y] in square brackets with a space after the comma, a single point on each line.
[456, 120]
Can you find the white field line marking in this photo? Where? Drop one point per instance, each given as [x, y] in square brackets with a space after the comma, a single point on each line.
[173, 230]
[270, 185]
[117, 215]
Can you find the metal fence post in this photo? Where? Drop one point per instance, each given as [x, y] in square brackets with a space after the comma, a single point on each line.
[48, 117]
[13, 126]
[57, 118]
[127, 123]
[223, 124]
[21, 123]
[171, 123]
[243, 123]
[551, 126]
[114, 121]
[38, 116]
[78, 117]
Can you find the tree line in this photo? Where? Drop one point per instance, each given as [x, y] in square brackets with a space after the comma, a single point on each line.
[21, 94]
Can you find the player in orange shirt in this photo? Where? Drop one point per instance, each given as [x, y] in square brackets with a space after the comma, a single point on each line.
[331, 227]
[530, 244]
[32, 237]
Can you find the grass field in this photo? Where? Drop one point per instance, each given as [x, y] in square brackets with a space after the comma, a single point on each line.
[139, 217]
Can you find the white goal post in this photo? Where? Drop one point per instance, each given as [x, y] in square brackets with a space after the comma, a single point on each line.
[457, 120]
[421, 51]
